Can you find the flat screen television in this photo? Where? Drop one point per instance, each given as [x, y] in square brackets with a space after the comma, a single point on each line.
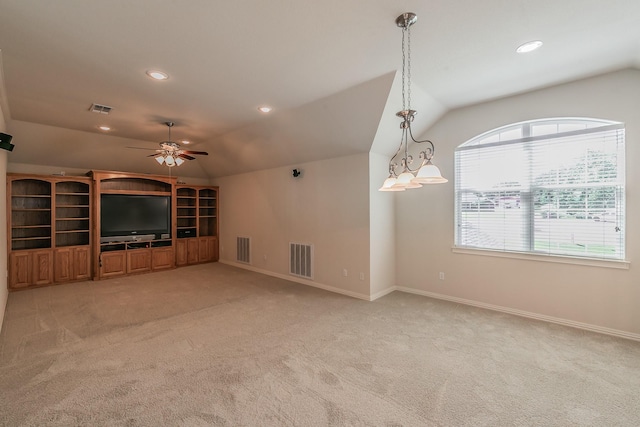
[128, 216]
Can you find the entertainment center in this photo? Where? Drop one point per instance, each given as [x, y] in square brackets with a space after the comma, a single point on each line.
[105, 225]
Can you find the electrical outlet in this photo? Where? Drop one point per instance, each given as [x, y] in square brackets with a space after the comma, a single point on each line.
[441, 275]
[264, 257]
[345, 273]
[361, 276]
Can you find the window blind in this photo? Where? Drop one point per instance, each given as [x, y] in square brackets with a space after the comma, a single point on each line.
[556, 193]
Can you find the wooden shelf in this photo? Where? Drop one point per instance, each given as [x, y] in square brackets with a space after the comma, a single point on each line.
[31, 238]
[199, 242]
[41, 222]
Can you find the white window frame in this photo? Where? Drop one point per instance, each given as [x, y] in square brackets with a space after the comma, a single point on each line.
[493, 138]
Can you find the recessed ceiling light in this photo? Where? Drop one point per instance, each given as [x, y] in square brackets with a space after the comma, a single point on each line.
[157, 75]
[104, 128]
[184, 141]
[529, 46]
[265, 109]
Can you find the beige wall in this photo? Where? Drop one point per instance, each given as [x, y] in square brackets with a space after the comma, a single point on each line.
[328, 206]
[3, 220]
[604, 297]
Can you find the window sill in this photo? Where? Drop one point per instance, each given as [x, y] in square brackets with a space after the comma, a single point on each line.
[591, 262]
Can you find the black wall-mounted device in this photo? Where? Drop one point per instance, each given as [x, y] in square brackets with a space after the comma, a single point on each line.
[5, 142]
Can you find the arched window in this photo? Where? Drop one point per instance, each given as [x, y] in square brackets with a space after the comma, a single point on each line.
[551, 186]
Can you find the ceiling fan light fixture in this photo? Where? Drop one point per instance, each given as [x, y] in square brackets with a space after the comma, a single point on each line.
[171, 153]
[265, 109]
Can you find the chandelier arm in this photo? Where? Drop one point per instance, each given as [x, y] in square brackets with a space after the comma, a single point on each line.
[392, 166]
[432, 149]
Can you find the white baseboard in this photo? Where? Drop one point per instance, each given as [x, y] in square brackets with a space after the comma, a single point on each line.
[527, 314]
[382, 293]
[298, 280]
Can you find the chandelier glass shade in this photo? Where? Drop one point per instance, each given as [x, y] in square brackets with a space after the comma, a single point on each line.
[401, 176]
[168, 158]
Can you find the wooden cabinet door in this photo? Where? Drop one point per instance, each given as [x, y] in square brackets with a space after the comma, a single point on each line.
[203, 247]
[138, 260]
[20, 270]
[162, 258]
[63, 265]
[71, 264]
[213, 248]
[181, 252]
[113, 263]
[42, 267]
[82, 263]
[208, 249]
[192, 251]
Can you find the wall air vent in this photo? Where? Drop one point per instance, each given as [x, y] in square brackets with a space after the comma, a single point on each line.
[102, 109]
[243, 250]
[301, 260]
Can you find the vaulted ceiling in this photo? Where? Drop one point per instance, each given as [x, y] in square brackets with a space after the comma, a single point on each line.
[328, 69]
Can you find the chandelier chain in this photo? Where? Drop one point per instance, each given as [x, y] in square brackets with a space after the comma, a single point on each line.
[404, 68]
[408, 67]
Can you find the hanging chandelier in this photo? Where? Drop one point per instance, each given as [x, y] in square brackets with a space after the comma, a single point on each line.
[427, 172]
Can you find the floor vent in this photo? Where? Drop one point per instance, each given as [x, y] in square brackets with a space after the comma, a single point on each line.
[243, 250]
[301, 260]
[102, 109]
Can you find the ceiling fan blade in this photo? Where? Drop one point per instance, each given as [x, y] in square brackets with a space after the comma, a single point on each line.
[141, 148]
[153, 155]
[201, 153]
[184, 156]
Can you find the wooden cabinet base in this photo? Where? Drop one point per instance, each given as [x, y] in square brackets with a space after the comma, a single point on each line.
[72, 264]
[30, 268]
[196, 250]
[135, 261]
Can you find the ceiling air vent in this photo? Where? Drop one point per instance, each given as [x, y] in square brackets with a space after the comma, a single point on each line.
[102, 109]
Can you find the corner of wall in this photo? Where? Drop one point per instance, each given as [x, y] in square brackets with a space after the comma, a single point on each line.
[382, 234]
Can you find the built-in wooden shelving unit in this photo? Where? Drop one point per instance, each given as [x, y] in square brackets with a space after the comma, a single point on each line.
[55, 237]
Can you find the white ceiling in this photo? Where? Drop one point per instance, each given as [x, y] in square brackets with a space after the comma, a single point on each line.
[327, 68]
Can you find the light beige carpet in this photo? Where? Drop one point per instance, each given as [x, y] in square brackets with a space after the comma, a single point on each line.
[216, 345]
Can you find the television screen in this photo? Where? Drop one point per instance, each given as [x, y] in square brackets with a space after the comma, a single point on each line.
[126, 215]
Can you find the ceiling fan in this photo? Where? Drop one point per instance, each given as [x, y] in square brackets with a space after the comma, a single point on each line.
[171, 154]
